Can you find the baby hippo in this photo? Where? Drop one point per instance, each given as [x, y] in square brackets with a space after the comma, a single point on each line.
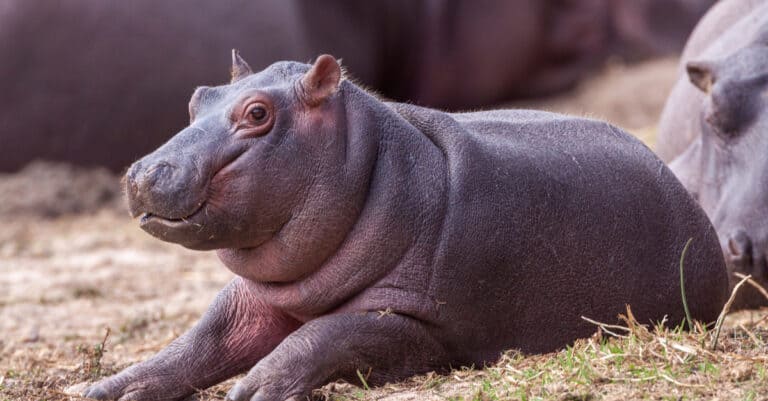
[392, 240]
[714, 130]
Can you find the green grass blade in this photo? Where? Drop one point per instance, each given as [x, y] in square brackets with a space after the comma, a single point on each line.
[362, 380]
[682, 285]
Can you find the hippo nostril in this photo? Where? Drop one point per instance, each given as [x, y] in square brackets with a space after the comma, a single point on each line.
[132, 189]
[735, 248]
[157, 173]
[739, 244]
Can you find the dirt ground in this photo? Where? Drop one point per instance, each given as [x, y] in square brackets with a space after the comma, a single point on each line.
[73, 264]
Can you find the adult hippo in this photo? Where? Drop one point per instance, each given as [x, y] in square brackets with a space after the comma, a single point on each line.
[392, 239]
[95, 82]
[714, 132]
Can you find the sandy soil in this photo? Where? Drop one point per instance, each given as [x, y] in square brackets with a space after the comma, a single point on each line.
[72, 263]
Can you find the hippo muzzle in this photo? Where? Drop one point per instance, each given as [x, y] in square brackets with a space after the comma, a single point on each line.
[169, 189]
[167, 197]
[162, 189]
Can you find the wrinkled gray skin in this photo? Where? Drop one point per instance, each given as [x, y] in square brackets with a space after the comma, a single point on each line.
[392, 239]
[714, 130]
[97, 82]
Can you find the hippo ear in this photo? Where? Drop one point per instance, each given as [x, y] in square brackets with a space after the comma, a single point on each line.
[321, 80]
[701, 74]
[240, 69]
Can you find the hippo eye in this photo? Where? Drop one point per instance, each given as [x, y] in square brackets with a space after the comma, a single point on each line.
[257, 119]
[258, 114]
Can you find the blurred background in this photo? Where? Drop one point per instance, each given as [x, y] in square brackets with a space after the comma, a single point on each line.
[101, 83]
[88, 86]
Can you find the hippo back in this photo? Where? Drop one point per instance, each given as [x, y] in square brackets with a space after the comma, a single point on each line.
[575, 217]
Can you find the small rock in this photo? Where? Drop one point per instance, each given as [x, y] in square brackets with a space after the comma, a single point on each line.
[76, 390]
[741, 372]
[33, 335]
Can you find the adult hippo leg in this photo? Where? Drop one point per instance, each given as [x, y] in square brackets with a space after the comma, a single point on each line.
[236, 332]
[384, 347]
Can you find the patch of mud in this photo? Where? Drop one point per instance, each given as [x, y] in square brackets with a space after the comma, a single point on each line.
[49, 190]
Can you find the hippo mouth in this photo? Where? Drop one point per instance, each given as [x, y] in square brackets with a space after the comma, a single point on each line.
[190, 231]
[149, 218]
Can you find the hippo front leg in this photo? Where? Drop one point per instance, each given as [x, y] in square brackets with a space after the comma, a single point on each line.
[382, 347]
[235, 333]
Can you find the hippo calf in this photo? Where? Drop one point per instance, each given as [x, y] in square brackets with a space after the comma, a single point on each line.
[714, 130]
[392, 240]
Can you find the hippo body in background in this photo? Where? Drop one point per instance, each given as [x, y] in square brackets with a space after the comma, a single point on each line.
[391, 239]
[86, 81]
[722, 31]
[714, 131]
[89, 82]
[460, 54]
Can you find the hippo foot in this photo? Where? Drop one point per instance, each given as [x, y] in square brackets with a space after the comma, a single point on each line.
[139, 383]
[265, 388]
[278, 378]
[336, 347]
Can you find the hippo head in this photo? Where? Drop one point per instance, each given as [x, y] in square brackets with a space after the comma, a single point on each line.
[249, 160]
[726, 168]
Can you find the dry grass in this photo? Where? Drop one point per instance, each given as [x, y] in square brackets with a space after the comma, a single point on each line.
[640, 363]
